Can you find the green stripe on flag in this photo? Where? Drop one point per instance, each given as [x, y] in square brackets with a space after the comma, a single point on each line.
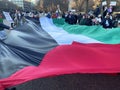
[108, 36]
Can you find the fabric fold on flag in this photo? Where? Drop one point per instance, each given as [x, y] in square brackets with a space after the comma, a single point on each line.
[70, 59]
[24, 46]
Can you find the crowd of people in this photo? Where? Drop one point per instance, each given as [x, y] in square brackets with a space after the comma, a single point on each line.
[107, 19]
[18, 17]
[3, 34]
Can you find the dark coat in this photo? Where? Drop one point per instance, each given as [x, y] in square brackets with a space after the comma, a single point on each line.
[71, 19]
[104, 23]
[88, 22]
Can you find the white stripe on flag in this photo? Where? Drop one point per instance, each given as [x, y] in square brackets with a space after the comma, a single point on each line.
[61, 36]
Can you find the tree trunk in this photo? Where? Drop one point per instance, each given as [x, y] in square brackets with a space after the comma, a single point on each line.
[70, 5]
[86, 9]
[81, 5]
[101, 7]
[108, 3]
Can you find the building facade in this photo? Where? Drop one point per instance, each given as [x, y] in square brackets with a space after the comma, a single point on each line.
[25, 4]
[18, 3]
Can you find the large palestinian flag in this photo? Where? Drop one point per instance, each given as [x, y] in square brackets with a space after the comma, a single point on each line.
[46, 49]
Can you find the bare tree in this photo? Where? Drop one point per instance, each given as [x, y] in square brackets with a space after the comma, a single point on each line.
[101, 7]
[86, 8]
[108, 3]
[79, 4]
[51, 5]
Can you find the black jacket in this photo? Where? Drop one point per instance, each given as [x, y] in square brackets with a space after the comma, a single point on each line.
[104, 23]
[3, 26]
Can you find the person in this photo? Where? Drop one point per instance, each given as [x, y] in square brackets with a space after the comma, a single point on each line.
[88, 20]
[107, 22]
[99, 20]
[3, 34]
[110, 10]
[49, 15]
[83, 20]
[115, 21]
[97, 11]
[105, 12]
